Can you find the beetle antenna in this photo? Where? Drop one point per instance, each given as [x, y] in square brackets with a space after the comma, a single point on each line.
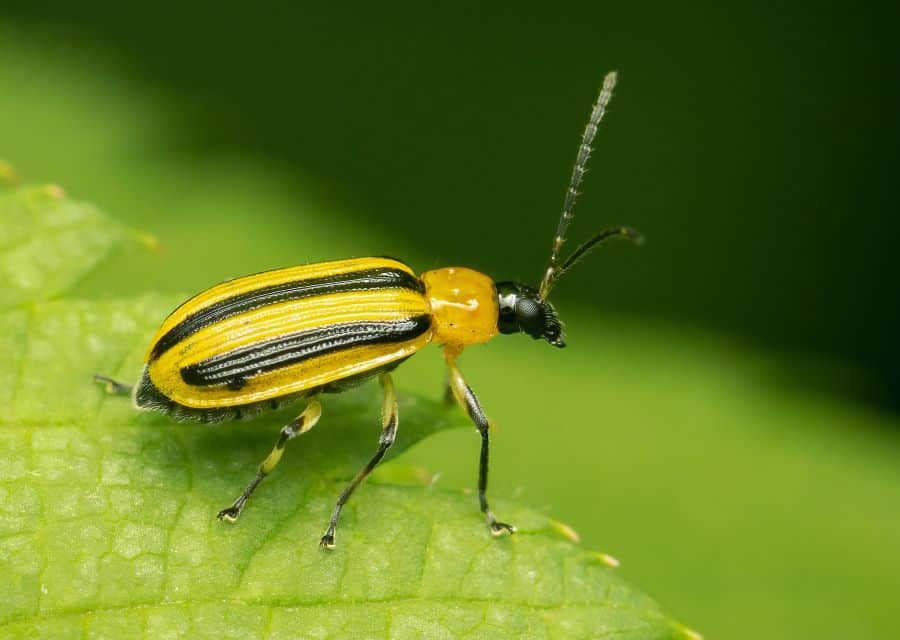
[584, 152]
[606, 234]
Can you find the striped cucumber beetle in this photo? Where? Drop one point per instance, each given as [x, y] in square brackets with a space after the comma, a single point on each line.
[261, 341]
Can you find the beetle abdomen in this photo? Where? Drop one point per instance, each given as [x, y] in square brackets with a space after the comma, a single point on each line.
[147, 396]
[257, 341]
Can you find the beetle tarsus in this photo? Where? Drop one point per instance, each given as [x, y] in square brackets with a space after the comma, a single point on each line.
[499, 528]
[231, 514]
[327, 541]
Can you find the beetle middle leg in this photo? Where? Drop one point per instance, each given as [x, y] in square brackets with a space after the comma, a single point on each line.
[389, 420]
[468, 401]
[301, 424]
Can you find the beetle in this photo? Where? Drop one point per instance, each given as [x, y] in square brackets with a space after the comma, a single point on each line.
[261, 341]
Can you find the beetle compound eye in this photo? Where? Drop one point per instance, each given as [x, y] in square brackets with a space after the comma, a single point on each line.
[527, 308]
[530, 316]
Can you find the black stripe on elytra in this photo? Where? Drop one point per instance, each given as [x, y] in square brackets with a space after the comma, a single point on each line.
[367, 279]
[235, 367]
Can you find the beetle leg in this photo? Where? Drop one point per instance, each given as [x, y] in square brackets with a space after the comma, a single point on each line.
[301, 424]
[468, 401]
[112, 386]
[389, 419]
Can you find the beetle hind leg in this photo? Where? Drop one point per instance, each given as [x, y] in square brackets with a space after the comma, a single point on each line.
[113, 387]
[301, 424]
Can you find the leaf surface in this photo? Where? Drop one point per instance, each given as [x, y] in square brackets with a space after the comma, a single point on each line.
[49, 242]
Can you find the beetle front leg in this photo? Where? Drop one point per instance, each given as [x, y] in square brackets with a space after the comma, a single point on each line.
[468, 401]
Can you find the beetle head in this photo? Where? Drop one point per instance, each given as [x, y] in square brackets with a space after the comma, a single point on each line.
[523, 310]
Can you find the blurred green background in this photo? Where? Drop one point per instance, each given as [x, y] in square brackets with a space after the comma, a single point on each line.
[724, 419]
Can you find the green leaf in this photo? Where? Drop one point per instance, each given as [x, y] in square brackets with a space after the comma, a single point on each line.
[107, 516]
[49, 242]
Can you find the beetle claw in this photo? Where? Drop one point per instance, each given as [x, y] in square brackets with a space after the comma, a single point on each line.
[499, 528]
[230, 514]
[327, 541]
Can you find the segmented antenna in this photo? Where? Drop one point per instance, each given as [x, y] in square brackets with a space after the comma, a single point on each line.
[584, 249]
[584, 152]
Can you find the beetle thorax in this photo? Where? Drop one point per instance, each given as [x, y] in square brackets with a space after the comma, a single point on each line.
[464, 306]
